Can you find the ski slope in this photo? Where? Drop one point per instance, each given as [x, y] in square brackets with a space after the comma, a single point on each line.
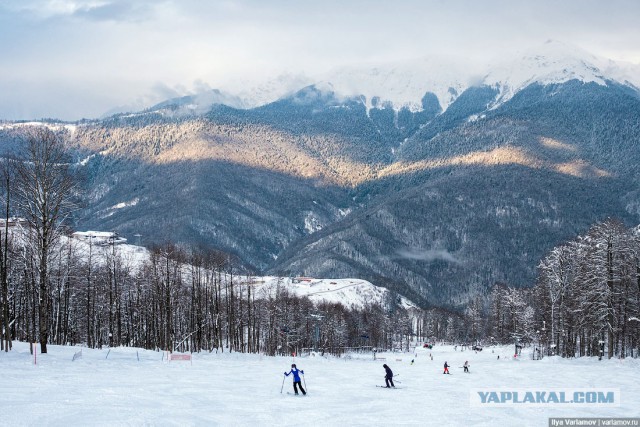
[244, 390]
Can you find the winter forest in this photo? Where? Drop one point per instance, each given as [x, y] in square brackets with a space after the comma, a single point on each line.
[586, 301]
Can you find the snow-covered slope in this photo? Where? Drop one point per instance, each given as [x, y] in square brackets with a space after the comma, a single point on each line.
[404, 84]
[556, 62]
[133, 387]
[348, 292]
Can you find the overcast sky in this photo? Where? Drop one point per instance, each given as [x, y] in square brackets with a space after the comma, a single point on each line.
[70, 59]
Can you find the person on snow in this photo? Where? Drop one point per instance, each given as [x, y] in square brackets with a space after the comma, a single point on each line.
[296, 379]
[388, 378]
[446, 368]
[466, 366]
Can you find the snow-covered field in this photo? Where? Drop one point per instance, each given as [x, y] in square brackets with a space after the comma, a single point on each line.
[239, 389]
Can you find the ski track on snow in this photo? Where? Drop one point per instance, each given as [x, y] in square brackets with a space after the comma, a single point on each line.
[240, 389]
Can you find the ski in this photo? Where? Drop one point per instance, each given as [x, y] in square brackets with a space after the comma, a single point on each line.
[384, 386]
[293, 394]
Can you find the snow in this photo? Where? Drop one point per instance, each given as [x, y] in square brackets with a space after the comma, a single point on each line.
[402, 84]
[348, 292]
[255, 94]
[71, 128]
[105, 213]
[98, 234]
[125, 204]
[132, 256]
[554, 62]
[312, 223]
[242, 389]
[86, 160]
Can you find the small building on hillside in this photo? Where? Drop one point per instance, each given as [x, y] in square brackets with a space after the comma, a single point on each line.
[100, 238]
[301, 279]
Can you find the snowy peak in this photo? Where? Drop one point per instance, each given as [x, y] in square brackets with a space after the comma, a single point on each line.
[199, 103]
[553, 63]
[404, 84]
[254, 95]
[319, 94]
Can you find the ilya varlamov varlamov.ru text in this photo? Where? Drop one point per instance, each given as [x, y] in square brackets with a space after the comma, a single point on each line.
[563, 422]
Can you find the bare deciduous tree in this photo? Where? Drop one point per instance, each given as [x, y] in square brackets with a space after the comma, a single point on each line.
[44, 197]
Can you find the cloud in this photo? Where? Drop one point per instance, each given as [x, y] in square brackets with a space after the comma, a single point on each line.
[427, 255]
[118, 47]
[116, 11]
[162, 91]
[94, 10]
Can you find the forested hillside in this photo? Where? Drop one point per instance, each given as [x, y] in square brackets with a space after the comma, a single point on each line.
[437, 205]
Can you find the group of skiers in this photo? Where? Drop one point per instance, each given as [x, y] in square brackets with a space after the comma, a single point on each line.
[388, 377]
[465, 366]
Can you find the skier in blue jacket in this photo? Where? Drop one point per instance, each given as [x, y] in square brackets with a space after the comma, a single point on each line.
[296, 378]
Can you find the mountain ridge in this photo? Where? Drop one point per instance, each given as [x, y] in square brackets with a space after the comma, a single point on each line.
[435, 204]
[403, 84]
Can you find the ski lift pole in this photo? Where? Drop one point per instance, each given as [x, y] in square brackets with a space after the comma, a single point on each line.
[282, 387]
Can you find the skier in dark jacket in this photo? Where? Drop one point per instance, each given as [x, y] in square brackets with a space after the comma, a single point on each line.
[296, 378]
[446, 368]
[388, 378]
[466, 366]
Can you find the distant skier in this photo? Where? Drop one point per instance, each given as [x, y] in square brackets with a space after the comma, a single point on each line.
[466, 366]
[388, 378]
[446, 368]
[296, 379]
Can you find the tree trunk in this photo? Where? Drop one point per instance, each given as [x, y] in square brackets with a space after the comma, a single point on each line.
[43, 312]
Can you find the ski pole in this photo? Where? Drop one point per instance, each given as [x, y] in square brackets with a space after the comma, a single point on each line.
[282, 386]
[305, 383]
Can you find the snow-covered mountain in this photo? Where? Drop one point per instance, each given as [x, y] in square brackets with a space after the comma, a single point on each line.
[492, 179]
[556, 62]
[404, 84]
[199, 103]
